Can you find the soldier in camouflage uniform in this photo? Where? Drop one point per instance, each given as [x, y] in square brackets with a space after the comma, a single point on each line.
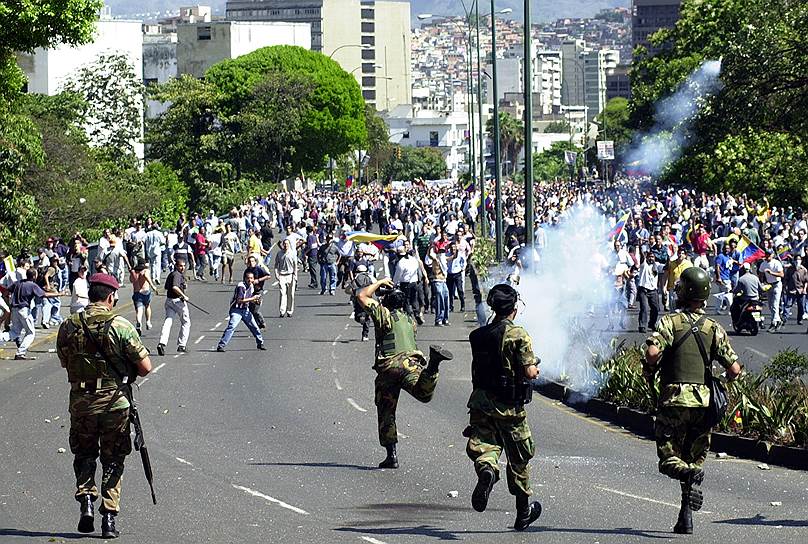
[399, 364]
[99, 349]
[503, 363]
[682, 425]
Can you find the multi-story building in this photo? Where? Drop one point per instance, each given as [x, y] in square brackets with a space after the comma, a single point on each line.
[547, 79]
[648, 16]
[415, 127]
[618, 83]
[201, 45]
[159, 63]
[584, 72]
[358, 34]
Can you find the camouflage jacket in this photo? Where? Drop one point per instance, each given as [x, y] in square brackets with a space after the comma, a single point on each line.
[517, 353]
[383, 323]
[124, 344]
[689, 395]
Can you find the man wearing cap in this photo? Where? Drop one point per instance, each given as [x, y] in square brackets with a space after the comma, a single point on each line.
[502, 366]
[100, 352]
[399, 365]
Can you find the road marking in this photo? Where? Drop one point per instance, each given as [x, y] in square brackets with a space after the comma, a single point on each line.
[217, 325]
[346, 326]
[638, 497]
[183, 461]
[372, 540]
[177, 356]
[353, 403]
[337, 384]
[271, 499]
[758, 352]
[334, 343]
[144, 380]
[158, 368]
[571, 411]
[199, 339]
[402, 435]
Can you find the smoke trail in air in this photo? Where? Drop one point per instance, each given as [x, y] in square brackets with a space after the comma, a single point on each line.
[655, 150]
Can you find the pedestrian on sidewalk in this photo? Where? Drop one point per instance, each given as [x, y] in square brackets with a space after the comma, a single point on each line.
[286, 276]
[243, 296]
[176, 308]
[100, 350]
[399, 365]
[22, 294]
[502, 366]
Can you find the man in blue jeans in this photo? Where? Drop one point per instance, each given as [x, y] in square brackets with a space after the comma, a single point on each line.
[240, 311]
[327, 257]
[440, 293]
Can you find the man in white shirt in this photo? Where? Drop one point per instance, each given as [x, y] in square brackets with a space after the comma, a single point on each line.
[154, 244]
[81, 292]
[406, 277]
[647, 293]
[772, 273]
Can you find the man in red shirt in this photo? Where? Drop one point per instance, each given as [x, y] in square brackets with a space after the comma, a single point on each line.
[200, 252]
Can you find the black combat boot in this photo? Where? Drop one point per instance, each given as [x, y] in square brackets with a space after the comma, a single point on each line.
[437, 354]
[526, 512]
[684, 525]
[391, 461]
[87, 519]
[485, 482]
[694, 496]
[108, 529]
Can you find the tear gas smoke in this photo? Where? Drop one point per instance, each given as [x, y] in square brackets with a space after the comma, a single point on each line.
[674, 115]
[565, 298]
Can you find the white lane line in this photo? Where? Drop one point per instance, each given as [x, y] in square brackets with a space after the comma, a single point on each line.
[334, 343]
[177, 356]
[158, 368]
[337, 384]
[346, 326]
[144, 380]
[199, 339]
[353, 403]
[372, 540]
[217, 325]
[271, 499]
[638, 497]
[758, 352]
[402, 435]
[184, 462]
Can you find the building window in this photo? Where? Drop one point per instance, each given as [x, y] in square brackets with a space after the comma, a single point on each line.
[368, 40]
[368, 14]
[369, 94]
[203, 33]
[149, 81]
[368, 68]
[406, 135]
[433, 138]
[369, 81]
[368, 28]
[368, 54]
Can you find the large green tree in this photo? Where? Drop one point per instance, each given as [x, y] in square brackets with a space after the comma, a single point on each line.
[24, 26]
[409, 163]
[613, 123]
[333, 120]
[764, 97]
[511, 139]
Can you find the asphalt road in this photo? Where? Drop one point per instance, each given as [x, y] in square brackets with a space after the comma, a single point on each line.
[280, 446]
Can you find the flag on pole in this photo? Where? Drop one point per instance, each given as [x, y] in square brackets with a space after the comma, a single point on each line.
[784, 251]
[8, 262]
[618, 232]
[748, 250]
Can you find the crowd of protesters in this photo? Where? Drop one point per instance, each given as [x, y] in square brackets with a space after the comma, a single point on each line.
[430, 236]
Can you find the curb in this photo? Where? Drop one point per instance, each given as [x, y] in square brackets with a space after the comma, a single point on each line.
[642, 424]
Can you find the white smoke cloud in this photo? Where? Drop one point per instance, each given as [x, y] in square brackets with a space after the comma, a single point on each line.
[565, 297]
[674, 116]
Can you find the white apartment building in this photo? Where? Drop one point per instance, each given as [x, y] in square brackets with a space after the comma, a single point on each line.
[159, 64]
[415, 127]
[547, 78]
[369, 38]
[584, 72]
[201, 45]
[47, 69]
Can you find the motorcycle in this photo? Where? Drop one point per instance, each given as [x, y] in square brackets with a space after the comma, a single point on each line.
[749, 317]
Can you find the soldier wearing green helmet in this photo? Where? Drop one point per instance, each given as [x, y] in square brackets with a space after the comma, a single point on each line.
[682, 425]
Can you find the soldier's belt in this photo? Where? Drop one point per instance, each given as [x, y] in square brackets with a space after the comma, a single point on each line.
[92, 386]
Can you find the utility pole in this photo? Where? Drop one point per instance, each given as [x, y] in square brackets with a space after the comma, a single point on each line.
[497, 158]
[528, 61]
[483, 215]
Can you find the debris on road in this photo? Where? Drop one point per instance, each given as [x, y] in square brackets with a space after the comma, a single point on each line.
[776, 503]
[721, 455]
[452, 494]
[764, 466]
[61, 450]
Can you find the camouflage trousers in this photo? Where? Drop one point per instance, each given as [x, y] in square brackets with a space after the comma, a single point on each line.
[682, 438]
[489, 436]
[105, 435]
[406, 374]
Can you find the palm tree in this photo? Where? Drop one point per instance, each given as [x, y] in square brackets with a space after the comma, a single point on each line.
[511, 138]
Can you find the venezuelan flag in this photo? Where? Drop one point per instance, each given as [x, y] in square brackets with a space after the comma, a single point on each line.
[784, 251]
[468, 185]
[617, 231]
[749, 251]
[382, 241]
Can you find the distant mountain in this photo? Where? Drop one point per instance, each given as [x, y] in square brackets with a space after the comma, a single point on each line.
[542, 10]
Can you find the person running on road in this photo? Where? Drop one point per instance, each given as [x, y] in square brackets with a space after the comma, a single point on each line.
[243, 296]
[142, 291]
[176, 308]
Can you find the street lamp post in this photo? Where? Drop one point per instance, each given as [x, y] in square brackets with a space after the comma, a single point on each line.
[483, 215]
[497, 161]
[360, 46]
[528, 134]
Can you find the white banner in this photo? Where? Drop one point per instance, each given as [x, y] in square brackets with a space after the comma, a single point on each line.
[606, 150]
